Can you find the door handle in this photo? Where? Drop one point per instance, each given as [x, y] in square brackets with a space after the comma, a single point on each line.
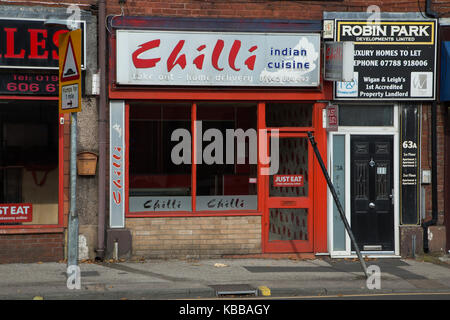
[371, 205]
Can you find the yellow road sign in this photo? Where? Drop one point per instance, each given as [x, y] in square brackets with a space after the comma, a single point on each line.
[70, 72]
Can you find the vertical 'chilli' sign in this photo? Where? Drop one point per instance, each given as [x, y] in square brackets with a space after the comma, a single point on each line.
[117, 165]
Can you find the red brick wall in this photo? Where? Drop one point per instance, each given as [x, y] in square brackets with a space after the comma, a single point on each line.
[25, 248]
[196, 237]
[300, 10]
[268, 9]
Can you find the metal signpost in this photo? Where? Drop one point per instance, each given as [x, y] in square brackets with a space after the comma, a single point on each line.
[338, 204]
[70, 102]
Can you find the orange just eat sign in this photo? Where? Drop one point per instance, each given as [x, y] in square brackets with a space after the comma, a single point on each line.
[70, 72]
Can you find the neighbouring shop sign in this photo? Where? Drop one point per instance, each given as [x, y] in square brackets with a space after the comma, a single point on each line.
[20, 83]
[292, 180]
[409, 160]
[394, 60]
[16, 212]
[217, 59]
[31, 44]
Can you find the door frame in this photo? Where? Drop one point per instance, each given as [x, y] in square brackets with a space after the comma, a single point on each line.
[319, 212]
[347, 132]
[305, 202]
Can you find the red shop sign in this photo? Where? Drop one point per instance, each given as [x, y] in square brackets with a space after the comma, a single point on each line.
[16, 212]
[288, 180]
[32, 44]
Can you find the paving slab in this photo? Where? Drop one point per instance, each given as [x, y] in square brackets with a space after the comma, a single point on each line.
[173, 279]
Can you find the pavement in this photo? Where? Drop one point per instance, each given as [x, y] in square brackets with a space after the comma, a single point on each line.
[223, 278]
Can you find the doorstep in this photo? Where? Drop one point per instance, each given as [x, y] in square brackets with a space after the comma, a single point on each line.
[369, 256]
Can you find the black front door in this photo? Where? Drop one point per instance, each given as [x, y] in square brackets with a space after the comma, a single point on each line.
[372, 189]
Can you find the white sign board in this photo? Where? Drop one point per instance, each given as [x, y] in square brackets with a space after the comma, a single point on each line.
[69, 96]
[217, 59]
[393, 60]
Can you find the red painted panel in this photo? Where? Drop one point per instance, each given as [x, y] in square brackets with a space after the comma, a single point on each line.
[16, 212]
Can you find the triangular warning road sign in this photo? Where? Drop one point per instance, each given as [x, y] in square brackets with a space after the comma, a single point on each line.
[70, 70]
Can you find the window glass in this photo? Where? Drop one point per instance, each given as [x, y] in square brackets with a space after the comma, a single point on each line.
[370, 115]
[288, 224]
[156, 181]
[288, 114]
[339, 185]
[291, 180]
[226, 177]
[29, 163]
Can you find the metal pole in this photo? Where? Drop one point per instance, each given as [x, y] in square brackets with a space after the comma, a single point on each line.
[336, 200]
[72, 257]
[102, 143]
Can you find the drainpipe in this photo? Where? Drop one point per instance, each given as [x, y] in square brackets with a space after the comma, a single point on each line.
[434, 201]
[101, 131]
[428, 12]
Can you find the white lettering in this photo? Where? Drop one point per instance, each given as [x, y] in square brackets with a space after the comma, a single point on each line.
[242, 309]
[374, 279]
[73, 277]
[191, 310]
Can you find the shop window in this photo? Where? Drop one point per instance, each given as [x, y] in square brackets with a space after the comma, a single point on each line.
[225, 183]
[156, 183]
[288, 114]
[224, 178]
[369, 115]
[29, 174]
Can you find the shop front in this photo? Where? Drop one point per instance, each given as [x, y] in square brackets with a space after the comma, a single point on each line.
[209, 153]
[34, 136]
[375, 148]
[32, 143]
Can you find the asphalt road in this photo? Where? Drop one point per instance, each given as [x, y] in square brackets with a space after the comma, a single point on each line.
[387, 296]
